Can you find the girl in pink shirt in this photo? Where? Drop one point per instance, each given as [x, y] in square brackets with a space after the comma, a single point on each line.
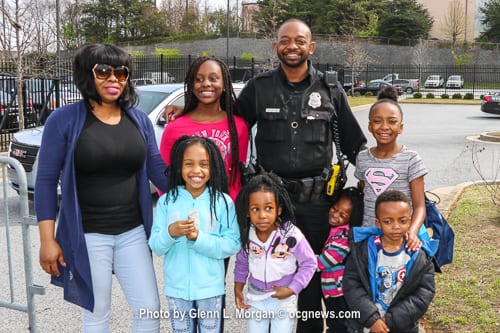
[209, 112]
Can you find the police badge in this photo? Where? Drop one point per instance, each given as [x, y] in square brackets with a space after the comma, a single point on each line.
[314, 100]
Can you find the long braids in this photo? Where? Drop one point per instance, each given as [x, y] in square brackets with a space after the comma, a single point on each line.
[267, 182]
[227, 103]
[217, 182]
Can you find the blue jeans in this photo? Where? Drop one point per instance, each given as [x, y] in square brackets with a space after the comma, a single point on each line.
[203, 316]
[278, 313]
[128, 256]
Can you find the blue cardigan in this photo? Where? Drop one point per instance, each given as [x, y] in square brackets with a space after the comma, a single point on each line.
[56, 163]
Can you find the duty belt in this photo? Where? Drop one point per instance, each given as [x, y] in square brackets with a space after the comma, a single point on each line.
[305, 189]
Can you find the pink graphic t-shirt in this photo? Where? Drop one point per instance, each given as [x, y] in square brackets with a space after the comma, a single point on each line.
[218, 132]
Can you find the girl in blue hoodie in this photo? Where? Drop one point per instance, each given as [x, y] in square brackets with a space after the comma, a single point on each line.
[195, 229]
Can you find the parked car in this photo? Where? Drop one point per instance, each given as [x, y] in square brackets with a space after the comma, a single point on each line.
[407, 86]
[373, 87]
[491, 103]
[393, 79]
[434, 81]
[143, 82]
[347, 81]
[25, 144]
[455, 81]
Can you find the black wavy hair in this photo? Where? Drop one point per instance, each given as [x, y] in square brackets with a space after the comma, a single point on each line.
[227, 104]
[355, 196]
[85, 59]
[217, 182]
[387, 95]
[267, 182]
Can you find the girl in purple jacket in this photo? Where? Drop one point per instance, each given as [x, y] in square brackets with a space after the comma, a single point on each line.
[275, 257]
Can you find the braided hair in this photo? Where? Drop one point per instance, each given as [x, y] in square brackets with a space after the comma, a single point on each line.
[267, 182]
[217, 181]
[227, 104]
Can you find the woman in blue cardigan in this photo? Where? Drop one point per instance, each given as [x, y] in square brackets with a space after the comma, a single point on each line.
[103, 152]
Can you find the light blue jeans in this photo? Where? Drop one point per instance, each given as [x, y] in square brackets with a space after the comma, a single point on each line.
[202, 316]
[279, 313]
[128, 256]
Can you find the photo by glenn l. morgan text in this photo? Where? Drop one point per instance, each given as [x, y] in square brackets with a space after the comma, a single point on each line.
[245, 314]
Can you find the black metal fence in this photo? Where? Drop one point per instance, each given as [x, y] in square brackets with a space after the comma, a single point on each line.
[48, 84]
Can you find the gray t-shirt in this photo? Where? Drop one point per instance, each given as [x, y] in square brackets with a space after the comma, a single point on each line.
[395, 173]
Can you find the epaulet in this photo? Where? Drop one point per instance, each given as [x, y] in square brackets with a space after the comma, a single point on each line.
[266, 74]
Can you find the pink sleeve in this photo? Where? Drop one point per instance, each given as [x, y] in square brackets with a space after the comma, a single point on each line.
[243, 138]
[167, 141]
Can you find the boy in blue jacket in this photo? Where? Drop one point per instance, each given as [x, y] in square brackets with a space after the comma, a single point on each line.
[389, 285]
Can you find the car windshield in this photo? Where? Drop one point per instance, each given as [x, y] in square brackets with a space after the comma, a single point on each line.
[149, 100]
[454, 77]
[433, 77]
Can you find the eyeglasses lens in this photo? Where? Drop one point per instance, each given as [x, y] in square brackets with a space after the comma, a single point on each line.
[103, 72]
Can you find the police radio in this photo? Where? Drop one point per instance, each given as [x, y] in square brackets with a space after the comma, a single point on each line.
[331, 78]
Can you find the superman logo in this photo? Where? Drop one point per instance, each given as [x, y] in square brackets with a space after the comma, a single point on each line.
[380, 179]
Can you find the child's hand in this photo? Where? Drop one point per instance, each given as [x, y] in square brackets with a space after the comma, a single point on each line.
[379, 326]
[239, 299]
[171, 112]
[182, 228]
[413, 243]
[193, 234]
[282, 292]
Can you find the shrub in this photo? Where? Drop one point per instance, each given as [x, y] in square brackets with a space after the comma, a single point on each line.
[357, 94]
[369, 94]
[168, 53]
[456, 96]
[469, 96]
[445, 96]
[137, 54]
[430, 96]
[417, 95]
[247, 56]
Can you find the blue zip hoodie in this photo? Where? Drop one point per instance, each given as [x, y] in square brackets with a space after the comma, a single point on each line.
[194, 270]
[55, 162]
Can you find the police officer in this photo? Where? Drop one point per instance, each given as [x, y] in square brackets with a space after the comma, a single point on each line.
[293, 108]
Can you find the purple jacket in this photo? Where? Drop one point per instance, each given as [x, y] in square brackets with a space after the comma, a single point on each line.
[285, 259]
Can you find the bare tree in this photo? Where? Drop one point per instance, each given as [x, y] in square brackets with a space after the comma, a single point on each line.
[27, 30]
[491, 183]
[454, 23]
[355, 56]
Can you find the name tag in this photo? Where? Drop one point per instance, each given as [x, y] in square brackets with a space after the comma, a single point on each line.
[272, 110]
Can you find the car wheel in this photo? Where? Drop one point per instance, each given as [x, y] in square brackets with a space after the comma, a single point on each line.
[409, 90]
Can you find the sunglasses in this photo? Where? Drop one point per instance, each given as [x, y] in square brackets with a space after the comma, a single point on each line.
[103, 72]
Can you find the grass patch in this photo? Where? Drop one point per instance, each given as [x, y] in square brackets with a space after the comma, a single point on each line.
[357, 101]
[362, 100]
[467, 292]
[440, 101]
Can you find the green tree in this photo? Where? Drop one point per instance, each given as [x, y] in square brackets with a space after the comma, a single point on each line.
[491, 21]
[340, 17]
[116, 21]
[406, 19]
